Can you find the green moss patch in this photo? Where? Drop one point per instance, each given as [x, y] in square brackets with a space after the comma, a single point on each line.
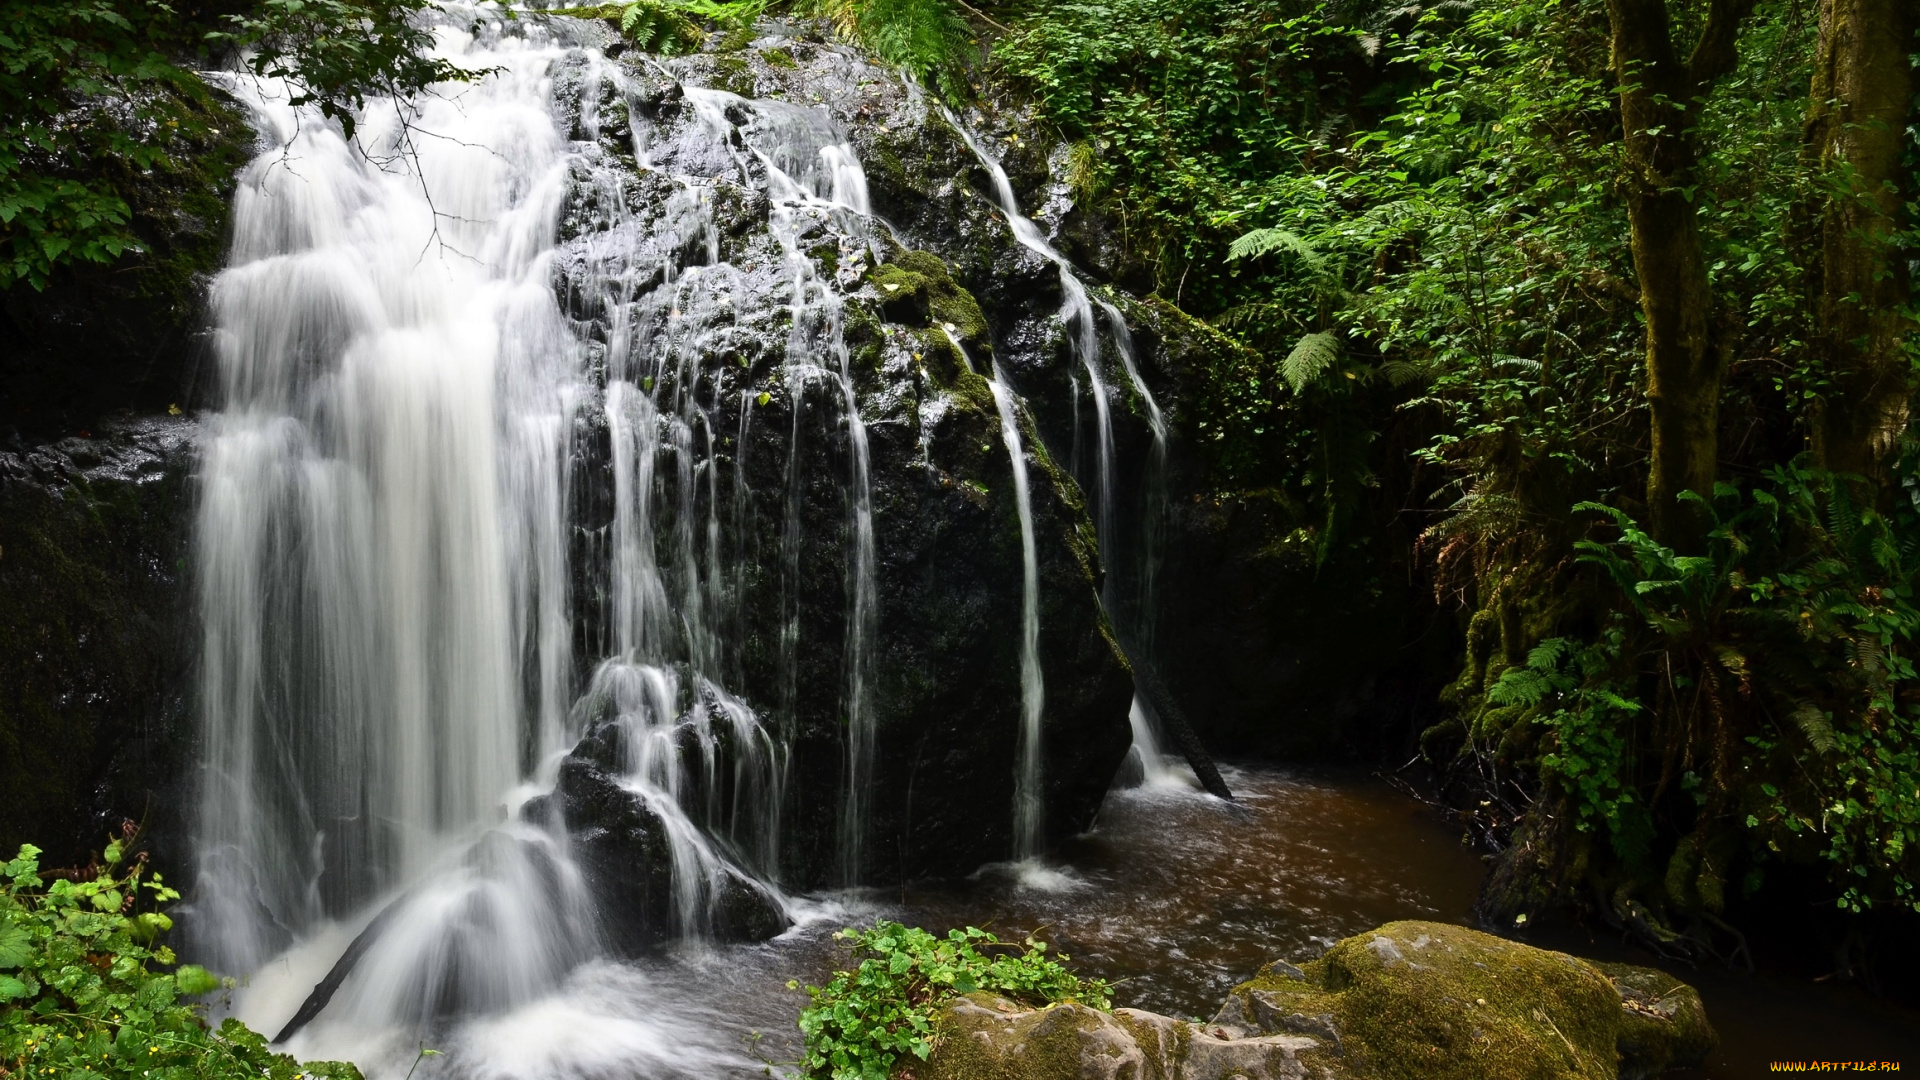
[917, 289]
[1431, 1001]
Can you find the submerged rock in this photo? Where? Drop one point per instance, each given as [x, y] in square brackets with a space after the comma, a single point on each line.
[1408, 1001]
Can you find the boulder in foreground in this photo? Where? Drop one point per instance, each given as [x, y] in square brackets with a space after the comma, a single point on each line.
[1408, 1001]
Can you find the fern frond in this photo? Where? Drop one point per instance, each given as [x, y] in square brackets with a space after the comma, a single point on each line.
[1813, 723]
[1266, 241]
[1309, 360]
[1520, 686]
[926, 37]
[1400, 373]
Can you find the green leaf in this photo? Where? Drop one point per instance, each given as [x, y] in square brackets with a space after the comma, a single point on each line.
[16, 946]
[192, 980]
[1312, 357]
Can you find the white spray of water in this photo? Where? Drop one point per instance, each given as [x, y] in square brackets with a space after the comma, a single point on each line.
[383, 549]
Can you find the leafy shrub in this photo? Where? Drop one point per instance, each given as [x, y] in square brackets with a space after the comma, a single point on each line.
[926, 38]
[1783, 655]
[865, 1020]
[653, 25]
[87, 992]
[96, 93]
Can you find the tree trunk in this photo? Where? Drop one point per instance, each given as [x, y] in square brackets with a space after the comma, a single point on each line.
[1856, 124]
[1686, 360]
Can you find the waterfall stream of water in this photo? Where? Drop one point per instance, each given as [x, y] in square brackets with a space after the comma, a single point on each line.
[1027, 808]
[1132, 609]
[394, 530]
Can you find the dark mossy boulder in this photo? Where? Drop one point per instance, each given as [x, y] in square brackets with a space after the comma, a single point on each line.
[1663, 1022]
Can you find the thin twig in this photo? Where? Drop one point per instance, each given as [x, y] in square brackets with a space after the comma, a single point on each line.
[988, 19]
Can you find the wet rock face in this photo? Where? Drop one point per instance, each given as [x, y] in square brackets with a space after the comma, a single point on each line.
[621, 846]
[695, 265]
[94, 638]
[1409, 1001]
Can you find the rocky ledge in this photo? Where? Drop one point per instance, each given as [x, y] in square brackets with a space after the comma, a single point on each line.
[1408, 1000]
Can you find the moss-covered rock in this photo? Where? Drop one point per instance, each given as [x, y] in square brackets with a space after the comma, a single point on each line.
[916, 288]
[1409, 1001]
[1663, 1022]
[1432, 1001]
[984, 1037]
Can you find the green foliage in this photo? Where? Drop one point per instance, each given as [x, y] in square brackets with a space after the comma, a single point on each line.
[98, 93]
[60, 64]
[1776, 662]
[1589, 719]
[87, 989]
[664, 26]
[337, 53]
[1411, 220]
[861, 1024]
[926, 38]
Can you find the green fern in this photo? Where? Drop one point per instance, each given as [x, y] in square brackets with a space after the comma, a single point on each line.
[1267, 241]
[1309, 360]
[654, 25]
[926, 38]
[1813, 723]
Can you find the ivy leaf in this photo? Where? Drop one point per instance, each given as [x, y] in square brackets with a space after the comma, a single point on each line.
[12, 989]
[16, 947]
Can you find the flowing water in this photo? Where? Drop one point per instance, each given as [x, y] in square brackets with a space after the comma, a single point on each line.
[1033, 692]
[1131, 559]
[436, 501]
[390, 548]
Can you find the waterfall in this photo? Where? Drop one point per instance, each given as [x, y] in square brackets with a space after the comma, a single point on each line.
[436, 504]
[1132, 610]
[1027, 805]
[379, 544]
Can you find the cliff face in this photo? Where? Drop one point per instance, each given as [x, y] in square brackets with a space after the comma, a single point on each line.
[96, 375]
[93, 637]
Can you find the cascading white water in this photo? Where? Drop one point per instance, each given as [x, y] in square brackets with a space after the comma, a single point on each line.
[1027, 805]
[383, 551]
[1134, 612]
[379, 546]
[813, 176]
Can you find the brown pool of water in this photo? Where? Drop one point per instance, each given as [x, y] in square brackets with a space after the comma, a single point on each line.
[1176, 897]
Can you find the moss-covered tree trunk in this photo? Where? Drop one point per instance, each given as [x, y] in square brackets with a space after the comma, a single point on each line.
[1686, 356]
[1856, 123]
